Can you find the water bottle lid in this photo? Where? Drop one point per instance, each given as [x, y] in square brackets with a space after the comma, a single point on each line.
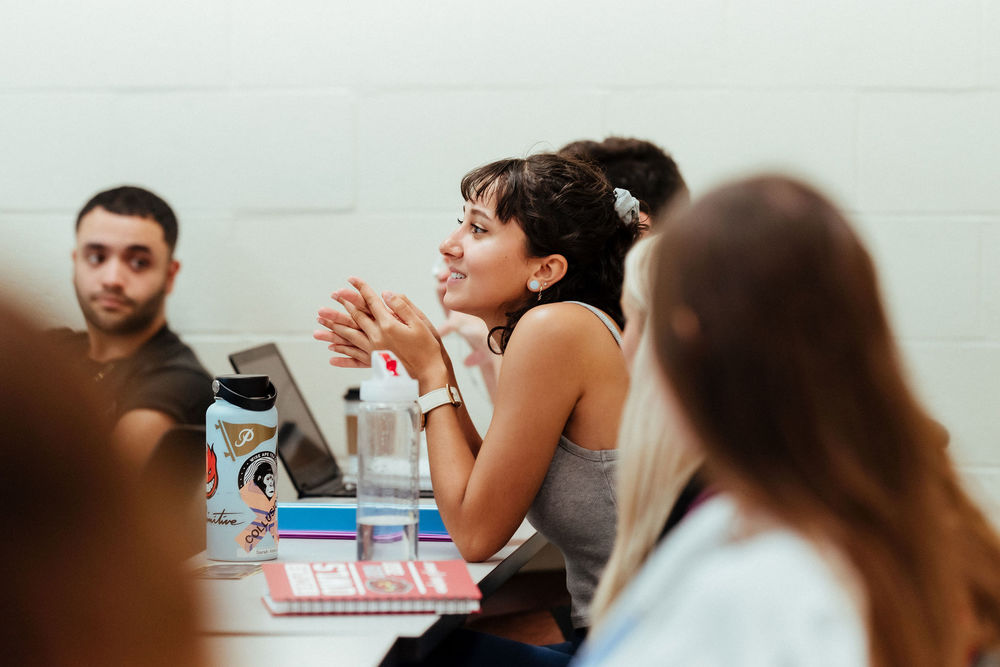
[250, 392]
[390, 383]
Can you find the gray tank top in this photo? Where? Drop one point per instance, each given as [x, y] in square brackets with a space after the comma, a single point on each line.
[576, 510]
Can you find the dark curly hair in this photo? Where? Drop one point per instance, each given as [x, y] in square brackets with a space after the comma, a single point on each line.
[135, 201]
[564, 206]
[639, 166]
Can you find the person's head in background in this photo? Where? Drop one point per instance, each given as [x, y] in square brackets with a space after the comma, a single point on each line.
[123, 264]
[653, 465]
[92, 576]
[775, 346]
[639, 166]
[565, 234]
[635, 303]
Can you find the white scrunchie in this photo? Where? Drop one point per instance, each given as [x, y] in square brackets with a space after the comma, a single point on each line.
[626, 206]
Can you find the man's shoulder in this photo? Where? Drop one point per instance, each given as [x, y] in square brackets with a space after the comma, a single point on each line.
[165, 351]
[166, 375]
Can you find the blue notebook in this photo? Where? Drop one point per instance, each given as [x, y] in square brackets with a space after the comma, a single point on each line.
[338, 521]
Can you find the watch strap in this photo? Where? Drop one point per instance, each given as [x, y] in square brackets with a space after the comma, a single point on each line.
[446, 395]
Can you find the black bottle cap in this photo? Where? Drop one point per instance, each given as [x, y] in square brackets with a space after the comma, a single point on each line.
[250, 392]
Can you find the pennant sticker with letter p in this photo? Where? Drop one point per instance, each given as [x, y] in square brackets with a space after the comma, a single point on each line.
[241, 439]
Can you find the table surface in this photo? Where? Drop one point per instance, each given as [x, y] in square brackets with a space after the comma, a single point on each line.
[240, 630]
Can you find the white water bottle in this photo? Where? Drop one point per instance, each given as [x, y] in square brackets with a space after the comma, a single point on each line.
[388, 462]
[241, 469]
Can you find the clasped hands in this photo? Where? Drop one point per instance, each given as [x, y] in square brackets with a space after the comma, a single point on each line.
[387, 322]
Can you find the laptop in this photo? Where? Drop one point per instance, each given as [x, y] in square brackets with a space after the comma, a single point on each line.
[311, 465]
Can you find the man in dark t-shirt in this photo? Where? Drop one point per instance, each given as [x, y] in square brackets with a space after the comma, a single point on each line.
[163, 375]
[123, 270]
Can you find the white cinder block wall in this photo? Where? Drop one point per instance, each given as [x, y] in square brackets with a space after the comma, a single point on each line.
[302, 142]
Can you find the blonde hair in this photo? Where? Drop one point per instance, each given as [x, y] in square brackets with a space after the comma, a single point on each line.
[653, 464]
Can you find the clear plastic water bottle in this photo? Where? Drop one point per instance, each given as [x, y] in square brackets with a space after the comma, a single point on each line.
[241, 469]
[388, 462]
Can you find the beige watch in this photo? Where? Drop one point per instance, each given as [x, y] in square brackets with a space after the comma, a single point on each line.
[446, 395]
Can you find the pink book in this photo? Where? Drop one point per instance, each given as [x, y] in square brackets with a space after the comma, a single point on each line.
[365, 587]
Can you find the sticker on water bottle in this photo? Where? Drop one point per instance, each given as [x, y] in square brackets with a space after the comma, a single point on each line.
[211, 472]
[257, 482]
[241, 439]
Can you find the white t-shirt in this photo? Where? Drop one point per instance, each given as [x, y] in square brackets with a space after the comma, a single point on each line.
[707, 597]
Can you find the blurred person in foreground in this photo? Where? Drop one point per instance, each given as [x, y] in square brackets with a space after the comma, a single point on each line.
[93, 575]
[840, 534]
[658, 477]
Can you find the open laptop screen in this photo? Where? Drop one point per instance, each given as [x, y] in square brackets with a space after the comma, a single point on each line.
[310, 463]
[304, 451]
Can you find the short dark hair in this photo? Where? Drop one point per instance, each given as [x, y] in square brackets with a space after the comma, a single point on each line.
[138, 202]
[564, 206]
[639, 166]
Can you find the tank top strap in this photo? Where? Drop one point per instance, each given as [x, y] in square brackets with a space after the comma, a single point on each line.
[604, 318]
